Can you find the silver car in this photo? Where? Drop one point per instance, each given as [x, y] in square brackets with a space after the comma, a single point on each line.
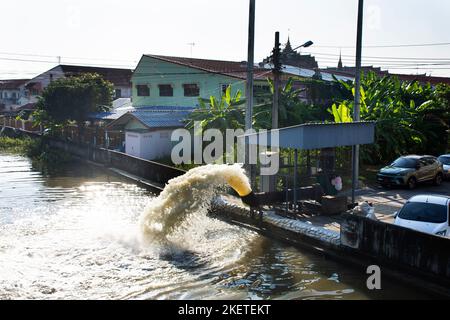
[410, 170]
[445, 160]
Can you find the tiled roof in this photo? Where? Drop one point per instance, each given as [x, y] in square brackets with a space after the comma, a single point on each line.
[119, 77]
[12, 84]
[233, 69]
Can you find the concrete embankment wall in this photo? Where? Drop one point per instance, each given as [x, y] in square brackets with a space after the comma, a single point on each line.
[145, 169]
[142, 168]
[422, 254]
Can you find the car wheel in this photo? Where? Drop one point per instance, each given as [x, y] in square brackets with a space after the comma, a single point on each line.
[438, 179]
[412, 183]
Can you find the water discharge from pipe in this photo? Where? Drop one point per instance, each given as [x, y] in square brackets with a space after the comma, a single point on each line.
[190, 193]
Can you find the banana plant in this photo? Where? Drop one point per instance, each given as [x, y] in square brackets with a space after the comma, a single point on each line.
[224, 113]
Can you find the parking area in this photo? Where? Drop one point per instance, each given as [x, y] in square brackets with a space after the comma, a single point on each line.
[388, 201]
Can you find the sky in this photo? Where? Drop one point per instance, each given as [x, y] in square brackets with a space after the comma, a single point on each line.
[118, 32]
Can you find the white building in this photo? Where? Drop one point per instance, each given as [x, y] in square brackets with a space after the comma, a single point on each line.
[148, 130]
[10, 93]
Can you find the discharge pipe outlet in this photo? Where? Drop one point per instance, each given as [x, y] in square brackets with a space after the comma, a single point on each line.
[242, 187]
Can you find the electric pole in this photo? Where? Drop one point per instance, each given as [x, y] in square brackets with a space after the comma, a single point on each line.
[276, 71]
[357, 103]
[276, 79]
[249, 87]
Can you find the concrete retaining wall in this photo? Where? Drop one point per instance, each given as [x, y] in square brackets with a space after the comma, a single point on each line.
[418, 252]
[145, 169]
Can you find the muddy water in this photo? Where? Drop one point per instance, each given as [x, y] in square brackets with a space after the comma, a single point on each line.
[76, 235]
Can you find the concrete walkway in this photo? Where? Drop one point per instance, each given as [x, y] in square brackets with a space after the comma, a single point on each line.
[388, 201]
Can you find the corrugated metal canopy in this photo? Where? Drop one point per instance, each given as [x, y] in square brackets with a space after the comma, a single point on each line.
[321, 135]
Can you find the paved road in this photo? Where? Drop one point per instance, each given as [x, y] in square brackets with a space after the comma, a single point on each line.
[388, 201]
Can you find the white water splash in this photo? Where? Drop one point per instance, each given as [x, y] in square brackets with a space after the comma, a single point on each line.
[186, 194]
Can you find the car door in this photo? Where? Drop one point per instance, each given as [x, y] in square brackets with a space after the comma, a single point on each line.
[430, 168]
[422, 170]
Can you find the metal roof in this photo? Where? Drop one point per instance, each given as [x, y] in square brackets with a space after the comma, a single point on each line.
[320, 135]
[117, 113]
[153, 117]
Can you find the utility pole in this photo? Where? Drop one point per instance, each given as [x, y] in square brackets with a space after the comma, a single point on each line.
[276, 79]
[357, 104]
[276, 71]
[249, 87]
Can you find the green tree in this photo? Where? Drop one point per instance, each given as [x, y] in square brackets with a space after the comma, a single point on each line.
[292, 110]
[72, 99]
[411, 117]
[226, 113]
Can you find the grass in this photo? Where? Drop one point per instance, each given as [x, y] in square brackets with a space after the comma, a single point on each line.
[43, 157]
[24, 146]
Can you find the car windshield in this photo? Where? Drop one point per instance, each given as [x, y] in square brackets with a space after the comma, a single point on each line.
[426, 212]
[444, 160]
[404, 163]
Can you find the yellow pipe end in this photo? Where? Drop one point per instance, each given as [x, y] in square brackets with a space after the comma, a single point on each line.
[241, 186]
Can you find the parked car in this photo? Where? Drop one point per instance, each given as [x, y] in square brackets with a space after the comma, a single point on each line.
[445, 160]
[426, 213]
[410, 170]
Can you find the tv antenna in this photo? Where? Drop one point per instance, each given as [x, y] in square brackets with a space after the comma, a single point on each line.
[191, 44]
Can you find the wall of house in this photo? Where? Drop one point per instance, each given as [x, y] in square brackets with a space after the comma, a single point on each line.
[134, 124]
[156, 144]
[149, 145]
[125, 91]
[9, 98]
[133, 143]
[153, 72]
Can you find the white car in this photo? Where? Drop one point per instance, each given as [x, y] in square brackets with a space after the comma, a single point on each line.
[445, 160]
[426, 213]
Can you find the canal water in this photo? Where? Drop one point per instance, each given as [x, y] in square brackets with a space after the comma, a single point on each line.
[75, 235]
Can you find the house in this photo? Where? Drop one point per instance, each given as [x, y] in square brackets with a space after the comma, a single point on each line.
[10, 93]
[148, 130]
[347, 71]
[164, 91]
[178, 81]
[120, 78]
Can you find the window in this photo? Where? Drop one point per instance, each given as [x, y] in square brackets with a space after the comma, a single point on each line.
[118, 93]
[444, 160]
[425, 212]
[143, 90]
[191, 90]
[165, 90]
[405, 163]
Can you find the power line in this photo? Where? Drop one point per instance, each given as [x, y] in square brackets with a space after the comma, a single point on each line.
[63, 57]
[389, 46]
[376, 57]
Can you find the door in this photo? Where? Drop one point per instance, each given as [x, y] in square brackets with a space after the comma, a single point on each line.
[431, 168]
[423, 171]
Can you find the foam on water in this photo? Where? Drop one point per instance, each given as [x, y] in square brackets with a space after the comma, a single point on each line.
[184, 195]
